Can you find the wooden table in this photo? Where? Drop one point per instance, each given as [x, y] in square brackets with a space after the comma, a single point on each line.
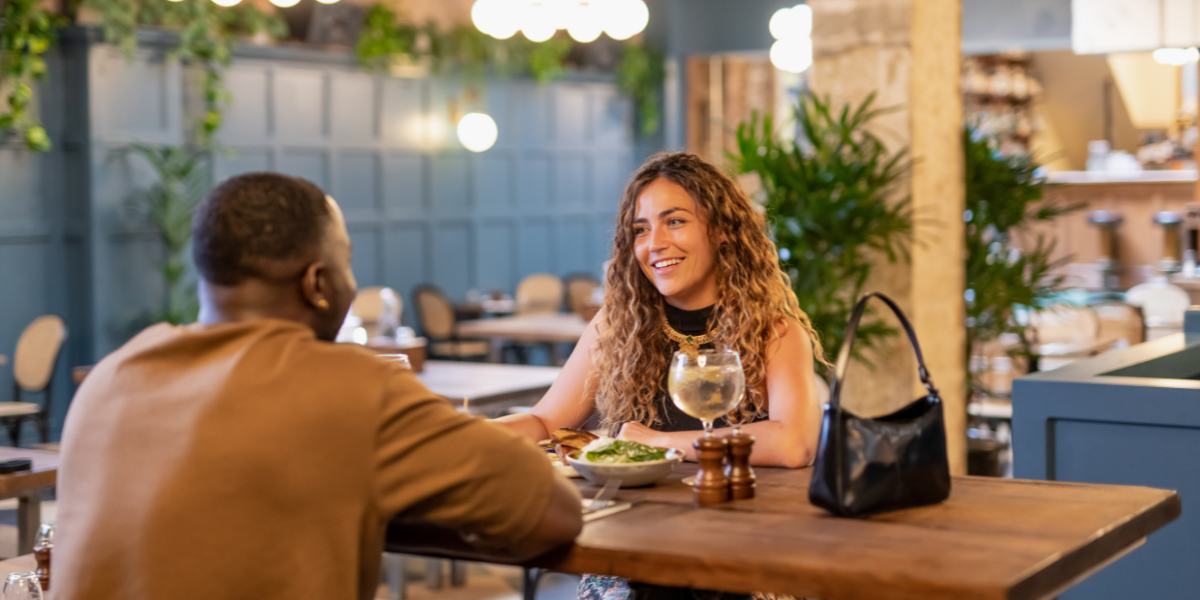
[993, 539]
[25, 562]
[491, 387]
[549, 328]
[27, 487]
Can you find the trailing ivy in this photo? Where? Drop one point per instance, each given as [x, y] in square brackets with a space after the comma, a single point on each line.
[26, 34]
[207, 33]
[641, 75]
[385, 41]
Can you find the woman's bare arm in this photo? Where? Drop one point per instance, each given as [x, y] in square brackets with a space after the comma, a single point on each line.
[789, 437]
[566, 404]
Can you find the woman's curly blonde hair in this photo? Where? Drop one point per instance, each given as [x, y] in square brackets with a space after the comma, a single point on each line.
[754, 297]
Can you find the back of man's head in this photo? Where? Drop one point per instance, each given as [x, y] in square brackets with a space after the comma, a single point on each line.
[258, 225]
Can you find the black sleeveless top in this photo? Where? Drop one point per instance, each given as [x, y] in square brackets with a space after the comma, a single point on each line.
[670, 418]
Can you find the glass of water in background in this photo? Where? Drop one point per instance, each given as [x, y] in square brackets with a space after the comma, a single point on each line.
[400, 359]
[22, 585]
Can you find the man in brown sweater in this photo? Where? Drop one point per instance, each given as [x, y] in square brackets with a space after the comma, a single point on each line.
[247, 456]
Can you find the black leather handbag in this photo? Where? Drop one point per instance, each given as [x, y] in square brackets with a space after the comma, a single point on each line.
[867, 466]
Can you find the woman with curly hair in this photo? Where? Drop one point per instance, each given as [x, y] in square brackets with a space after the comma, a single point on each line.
[691, 257]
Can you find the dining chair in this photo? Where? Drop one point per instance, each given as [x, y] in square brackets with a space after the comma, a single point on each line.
[1121, 324]
[379, 308]
[539, 293]
[435, 312]
[579, 292]
[33, 372]
[1162, 306]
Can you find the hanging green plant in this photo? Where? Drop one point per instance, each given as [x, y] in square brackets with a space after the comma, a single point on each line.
[26, 34]
[207, 33]
[382, 39]
[119, 21]
[641, 75]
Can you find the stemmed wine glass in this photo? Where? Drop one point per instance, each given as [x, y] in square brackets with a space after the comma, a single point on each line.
[706, 384]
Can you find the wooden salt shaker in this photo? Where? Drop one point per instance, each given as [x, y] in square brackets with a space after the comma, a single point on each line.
[742, 480]
[42, 555]
[711, 487]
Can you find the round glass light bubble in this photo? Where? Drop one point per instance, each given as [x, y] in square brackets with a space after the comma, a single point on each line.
[538, 22]
[328, 1]
[791, 23]
[626, 18]
[226, 3]
[792, 56]
[586, 22]
[477, 132]
[279, 3]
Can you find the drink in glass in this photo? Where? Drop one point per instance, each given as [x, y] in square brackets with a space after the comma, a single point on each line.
[707, 384]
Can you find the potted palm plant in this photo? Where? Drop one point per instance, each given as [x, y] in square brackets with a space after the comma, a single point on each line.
[835, 204]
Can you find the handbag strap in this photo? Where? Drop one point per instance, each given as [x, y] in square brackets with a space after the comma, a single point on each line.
[843, 360]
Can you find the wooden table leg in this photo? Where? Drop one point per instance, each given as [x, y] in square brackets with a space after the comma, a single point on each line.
[29, 519]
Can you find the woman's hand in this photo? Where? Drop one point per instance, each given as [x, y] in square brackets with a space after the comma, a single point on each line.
[636, 432]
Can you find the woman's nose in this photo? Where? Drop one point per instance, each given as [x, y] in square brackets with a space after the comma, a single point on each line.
[658, 239]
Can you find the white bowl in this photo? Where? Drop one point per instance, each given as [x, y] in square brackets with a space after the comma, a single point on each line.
[633, 474]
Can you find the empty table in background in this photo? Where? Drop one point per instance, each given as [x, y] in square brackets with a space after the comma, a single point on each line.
[549, 328]
[27, 487]
[492, 388]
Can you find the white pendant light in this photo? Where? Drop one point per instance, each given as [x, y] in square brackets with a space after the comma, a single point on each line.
[477, 132]
[793, 56]
[538, 22]
[586, 22]
[327, 1]
[226, 3]
[792, 29]
[626, 18]
[282, 3]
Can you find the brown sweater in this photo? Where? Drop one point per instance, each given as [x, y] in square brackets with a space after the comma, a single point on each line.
[251, 460]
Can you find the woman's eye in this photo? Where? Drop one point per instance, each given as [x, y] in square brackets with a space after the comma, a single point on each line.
[675, 222]
[637, 231]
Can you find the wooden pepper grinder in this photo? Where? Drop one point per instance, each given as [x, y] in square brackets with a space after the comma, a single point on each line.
[711, 487]
[42, 554]
[742, 481]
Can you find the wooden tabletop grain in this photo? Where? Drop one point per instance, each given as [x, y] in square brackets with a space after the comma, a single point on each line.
[993, 539]
[44, 473]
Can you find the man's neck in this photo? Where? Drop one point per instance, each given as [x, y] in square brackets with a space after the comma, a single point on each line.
[249, 300]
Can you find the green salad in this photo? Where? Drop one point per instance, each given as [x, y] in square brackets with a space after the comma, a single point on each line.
[621, 451]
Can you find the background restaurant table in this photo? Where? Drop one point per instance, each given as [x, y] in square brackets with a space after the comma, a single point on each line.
[492, 388]
[27, 487]
[993, 539]
[550, 328]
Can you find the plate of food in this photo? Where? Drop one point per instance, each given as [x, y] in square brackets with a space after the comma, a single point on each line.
[635, 464]
[563, 443]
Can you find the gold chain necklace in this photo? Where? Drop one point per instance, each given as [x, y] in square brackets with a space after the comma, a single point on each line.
[689, 344]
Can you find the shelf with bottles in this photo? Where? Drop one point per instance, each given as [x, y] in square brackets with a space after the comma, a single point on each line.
[998, 95]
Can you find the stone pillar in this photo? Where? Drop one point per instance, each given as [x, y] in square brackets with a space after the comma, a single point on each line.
[908, 52]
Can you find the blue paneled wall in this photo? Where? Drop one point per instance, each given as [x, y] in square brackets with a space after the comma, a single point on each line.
[419, 207]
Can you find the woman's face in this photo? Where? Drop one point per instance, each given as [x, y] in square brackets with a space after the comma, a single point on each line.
[672, 247]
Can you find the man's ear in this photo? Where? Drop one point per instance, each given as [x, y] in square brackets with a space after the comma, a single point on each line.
[314, 287]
